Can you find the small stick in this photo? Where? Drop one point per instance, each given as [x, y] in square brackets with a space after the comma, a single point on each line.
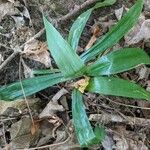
[107, 118]
[77, 10]
[8, 59]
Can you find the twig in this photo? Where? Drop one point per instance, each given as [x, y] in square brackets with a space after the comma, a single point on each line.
[77, 10]
[126, 105]
[24, 95]
[34, 37]
[107, 118]
[8, 59]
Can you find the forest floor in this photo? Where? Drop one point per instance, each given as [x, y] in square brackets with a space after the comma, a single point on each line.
[127, 121]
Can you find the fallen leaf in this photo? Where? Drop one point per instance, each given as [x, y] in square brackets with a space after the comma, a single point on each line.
[19, 21]
[19, 104]
[22, 127]
[108, 142]
[126, 140]
[35, 127]
[144, 72]
[21, 142]
[96, 32]
[148, 86]
[140, 32]
[37, 51]
[50, 109]
[147, 5]
[28, 72]
[59, 94]
[119, 13]
[7, 9]
[82, 84]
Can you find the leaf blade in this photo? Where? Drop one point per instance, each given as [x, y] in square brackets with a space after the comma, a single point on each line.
[66, 59]
[79, 24]
[104, 3]
[118, 61]
[83, 129]
[30, 86]
[116, 33]
[77, 28]
[117, 87]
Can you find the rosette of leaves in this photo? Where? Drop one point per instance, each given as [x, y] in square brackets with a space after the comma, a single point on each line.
[100, 71]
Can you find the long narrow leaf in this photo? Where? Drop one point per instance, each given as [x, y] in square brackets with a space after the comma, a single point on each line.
[83, 128]
[79, 24]
[104, 3]
[45, 71]
[66, 59]
[77, 28]
[118, 61]
[116, 33]
[30, 86]
[117, 87]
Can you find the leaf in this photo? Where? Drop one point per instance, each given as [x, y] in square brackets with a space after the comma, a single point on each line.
[77, 28]
[83, 129]
[30, 86]
[79, 24]
[116, 33]
[45, 71]
[104, 3]
[66, 59]
[117, 87]
[118, 61]
[37, 51]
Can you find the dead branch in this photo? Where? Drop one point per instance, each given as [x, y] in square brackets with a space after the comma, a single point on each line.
[77, 10]
[8, 59]
[107, 118]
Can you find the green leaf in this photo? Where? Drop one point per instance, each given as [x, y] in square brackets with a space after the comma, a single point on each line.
[66, 59]
[116, 33]
[77, 28]
[83, 128]
[100, 133]
[45, 71]
[79, 24]
[104, 3]
[117, 87]
[118, 61]
[30, 86]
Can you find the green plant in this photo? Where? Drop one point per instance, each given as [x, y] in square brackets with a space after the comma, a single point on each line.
[99, 73]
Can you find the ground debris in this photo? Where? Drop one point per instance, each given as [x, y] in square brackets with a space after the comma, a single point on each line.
[37, 51]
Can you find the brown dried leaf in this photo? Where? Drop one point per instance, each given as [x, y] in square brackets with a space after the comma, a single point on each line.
[82, 84]
[37, 51]
[35, 127]
[147, 5]
[140, 32]
[18, 104]
[7, 9]
[119, 13]
[50, 109]
[96, 32]
[53, 106]
[59, 94]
